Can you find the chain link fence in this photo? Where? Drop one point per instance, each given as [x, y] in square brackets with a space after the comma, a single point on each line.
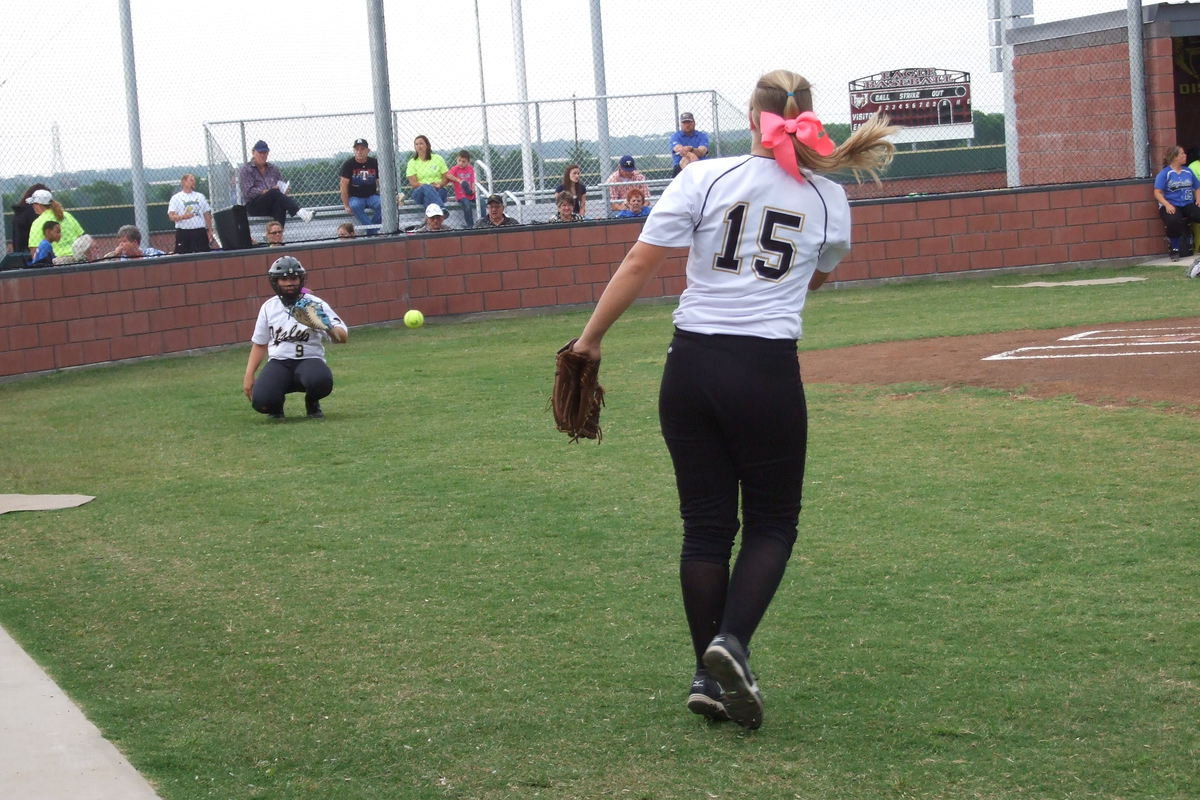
[522, 149]
[562, 133]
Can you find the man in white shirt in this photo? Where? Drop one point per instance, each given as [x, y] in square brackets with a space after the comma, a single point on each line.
[192, 215]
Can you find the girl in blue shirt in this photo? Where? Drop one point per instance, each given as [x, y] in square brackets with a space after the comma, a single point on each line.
[1175, 190]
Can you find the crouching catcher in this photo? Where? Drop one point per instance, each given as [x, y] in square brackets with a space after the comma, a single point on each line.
[290, 334]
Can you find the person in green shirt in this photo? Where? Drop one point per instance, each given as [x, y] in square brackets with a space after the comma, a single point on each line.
[427, 174]
[48, 209]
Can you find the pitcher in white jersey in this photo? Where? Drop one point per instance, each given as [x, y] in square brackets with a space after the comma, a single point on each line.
[763, 231]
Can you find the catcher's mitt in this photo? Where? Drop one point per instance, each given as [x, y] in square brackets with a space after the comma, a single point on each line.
[308, 312]
[578, 395]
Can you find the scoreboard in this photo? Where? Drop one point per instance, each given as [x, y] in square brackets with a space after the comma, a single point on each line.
[932, 104]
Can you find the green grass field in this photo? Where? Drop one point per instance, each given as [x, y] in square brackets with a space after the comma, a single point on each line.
[431, 594]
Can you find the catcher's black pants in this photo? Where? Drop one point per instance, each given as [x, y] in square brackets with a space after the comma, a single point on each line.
[281, 376]
[733, 415]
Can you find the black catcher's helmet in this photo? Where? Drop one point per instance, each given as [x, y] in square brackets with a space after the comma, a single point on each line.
[286, 265]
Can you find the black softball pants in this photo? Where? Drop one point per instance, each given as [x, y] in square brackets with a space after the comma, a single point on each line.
[734, 418]
[281, 376]
[1177, 223]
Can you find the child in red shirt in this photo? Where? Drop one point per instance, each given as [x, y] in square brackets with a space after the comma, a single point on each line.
[463, 176]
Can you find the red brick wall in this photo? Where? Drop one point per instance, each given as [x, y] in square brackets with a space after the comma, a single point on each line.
[92, 314]
[1074, 114]
[1160, 99]
[938, 184]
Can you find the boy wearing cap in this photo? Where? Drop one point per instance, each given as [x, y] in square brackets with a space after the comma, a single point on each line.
[687, 143]
[264, 190]
[620, 182]
[495, 217]
[360, 186]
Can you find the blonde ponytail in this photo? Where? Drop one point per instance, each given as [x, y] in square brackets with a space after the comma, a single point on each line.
[865, 151]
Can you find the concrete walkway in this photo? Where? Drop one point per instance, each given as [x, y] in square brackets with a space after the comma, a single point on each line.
[48, 749]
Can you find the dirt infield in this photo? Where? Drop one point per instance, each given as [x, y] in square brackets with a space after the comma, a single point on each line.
[1131, 363]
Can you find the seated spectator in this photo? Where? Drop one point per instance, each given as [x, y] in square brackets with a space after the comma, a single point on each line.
[129, 245]
[463, 175]
[48, 209]
[193, 218]
[496, 218]
[572, 185]
[427, 174]
[688, 145]
[23, 217]
[637, 205]
[566, 209]
[359, 186]
[44, 255]
[346, 230]
[620, 182]
[264, 191]
[1175, 190]
[273, 235]
[435, 220]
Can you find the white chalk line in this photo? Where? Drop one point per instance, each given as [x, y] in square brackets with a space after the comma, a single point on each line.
[1096, 334]
[1013, 355]
[1132, 342]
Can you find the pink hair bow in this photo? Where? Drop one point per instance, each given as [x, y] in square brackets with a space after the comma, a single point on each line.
[806, 128]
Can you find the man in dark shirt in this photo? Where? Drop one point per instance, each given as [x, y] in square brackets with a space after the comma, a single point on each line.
[495, 217]
[360, 187]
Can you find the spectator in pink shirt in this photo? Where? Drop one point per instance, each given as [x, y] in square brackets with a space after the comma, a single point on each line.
[620, 182]
[462, 174]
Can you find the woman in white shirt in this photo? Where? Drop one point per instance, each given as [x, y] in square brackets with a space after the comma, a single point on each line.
[763, 230]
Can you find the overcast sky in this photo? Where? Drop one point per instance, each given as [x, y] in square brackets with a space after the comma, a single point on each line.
[233, 59]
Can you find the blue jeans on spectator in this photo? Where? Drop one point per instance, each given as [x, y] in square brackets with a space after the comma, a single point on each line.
[468, 208]
[427, 193]
[359, 206]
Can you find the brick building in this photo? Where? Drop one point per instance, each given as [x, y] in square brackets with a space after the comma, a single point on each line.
[1074, 116]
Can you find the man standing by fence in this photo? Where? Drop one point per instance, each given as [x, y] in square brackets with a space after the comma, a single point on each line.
[192, 215]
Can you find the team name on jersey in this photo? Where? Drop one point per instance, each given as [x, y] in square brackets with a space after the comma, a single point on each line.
[296, 333]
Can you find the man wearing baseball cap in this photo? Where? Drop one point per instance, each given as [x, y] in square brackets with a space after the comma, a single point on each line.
[264, 191]
[495, 217]
[687, 143]
[360, 187]
[435, 220]
[620, 182]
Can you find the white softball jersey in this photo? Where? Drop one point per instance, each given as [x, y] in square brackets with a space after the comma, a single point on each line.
[287, 338]
[756, 236]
